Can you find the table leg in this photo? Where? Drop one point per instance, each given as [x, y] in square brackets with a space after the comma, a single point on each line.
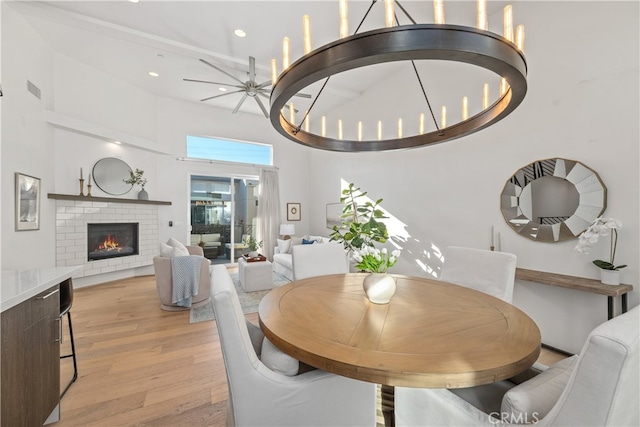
[624, 303]
[610, 307]
[388, 405]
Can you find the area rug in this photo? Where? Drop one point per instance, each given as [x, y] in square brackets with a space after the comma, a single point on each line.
[248, 300]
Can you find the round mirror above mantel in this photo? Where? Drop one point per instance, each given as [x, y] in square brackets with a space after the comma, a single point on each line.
[553, 199]
[109, 175]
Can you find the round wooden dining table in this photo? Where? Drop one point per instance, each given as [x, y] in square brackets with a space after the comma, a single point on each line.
[431, 334]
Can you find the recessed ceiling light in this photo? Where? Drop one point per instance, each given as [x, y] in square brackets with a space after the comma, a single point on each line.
[134, 1]
[117, 142]
[153, 74]
[239, 33]
[222, 89]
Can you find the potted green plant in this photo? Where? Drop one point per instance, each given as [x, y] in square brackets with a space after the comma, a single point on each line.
[254, 245]
[136, 178]
[361, 225]
[609, 272]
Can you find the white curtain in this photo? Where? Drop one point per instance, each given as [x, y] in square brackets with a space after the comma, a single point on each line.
[268, 211]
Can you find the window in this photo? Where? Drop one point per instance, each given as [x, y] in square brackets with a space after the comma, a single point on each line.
[226, 150]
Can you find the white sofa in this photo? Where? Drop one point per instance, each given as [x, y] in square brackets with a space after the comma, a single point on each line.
[283, 254]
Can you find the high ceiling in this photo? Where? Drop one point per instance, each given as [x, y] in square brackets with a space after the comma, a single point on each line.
[128, 40]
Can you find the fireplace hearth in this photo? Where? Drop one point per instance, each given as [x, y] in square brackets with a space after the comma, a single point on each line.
[112, 240]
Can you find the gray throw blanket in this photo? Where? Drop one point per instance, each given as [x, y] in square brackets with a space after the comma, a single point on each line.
[185, 274]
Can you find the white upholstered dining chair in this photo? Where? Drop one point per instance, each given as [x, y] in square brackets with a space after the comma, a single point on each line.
[319, 259]
[259, 396]
[600, 387]
[486, 271]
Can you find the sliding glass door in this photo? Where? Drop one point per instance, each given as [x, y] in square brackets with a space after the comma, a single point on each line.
[223, 215]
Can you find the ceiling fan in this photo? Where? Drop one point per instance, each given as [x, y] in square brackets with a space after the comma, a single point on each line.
[251, 87]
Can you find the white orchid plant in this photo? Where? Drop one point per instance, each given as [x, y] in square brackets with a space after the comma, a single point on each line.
[375, 260]
[601, 227]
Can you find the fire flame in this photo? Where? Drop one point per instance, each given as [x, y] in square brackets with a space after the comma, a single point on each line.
[109, 244]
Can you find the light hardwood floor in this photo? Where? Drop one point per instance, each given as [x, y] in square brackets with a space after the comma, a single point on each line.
[139, 365]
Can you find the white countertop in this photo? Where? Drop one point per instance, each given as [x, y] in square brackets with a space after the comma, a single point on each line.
[17, 286]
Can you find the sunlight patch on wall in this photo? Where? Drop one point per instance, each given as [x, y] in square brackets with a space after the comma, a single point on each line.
[396, 228]
[400, 237]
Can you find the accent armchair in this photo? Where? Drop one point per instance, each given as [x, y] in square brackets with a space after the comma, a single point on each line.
[600, 387]
[259, 396]
[164, 284]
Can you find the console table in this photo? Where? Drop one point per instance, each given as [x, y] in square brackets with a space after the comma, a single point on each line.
[578, 283]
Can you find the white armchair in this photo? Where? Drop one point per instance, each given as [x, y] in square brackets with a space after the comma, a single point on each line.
[164, 281]
[259, 396]
[486, 271]
[600, 387]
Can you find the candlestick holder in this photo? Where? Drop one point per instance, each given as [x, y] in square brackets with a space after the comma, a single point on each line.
[89, 190]
[81, 186]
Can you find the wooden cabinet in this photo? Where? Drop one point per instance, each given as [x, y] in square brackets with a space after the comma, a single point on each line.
[30, 359]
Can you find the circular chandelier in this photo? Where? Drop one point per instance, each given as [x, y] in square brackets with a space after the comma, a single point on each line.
[439, 41]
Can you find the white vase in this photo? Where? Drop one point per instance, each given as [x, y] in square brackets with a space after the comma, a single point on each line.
[610, 277]
[379, 287]
[253, 254]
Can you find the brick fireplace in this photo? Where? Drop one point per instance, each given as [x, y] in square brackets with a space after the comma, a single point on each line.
[74, 242]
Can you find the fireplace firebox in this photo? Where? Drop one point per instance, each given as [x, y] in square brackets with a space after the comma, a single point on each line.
[112, 240]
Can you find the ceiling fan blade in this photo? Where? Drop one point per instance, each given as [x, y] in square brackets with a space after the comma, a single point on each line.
[264, 110]
[295, 109]
[264, 84]
[213, 83]
[223, 94]
[222, 71]
[302, 95]
[252, 68]
[235, 110]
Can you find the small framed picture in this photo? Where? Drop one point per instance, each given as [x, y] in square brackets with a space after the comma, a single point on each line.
[27, 202]
[293, 211]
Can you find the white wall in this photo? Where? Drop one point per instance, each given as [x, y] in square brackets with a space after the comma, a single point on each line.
[1, 213]
[26, 141]
[153, 131]
[582, 104]
[176, 119]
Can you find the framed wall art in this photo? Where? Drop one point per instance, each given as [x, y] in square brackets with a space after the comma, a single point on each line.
[27, 202]
[293, 211]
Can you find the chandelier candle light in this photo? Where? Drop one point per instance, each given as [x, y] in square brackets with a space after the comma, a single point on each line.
[502, 55]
